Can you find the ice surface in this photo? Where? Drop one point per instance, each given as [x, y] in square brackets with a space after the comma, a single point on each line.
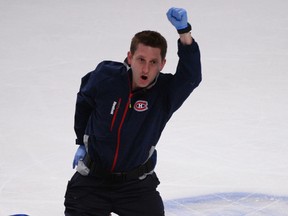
[228, 204]
[229, 138]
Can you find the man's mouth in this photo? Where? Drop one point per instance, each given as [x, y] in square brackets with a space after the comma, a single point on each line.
[144, 77]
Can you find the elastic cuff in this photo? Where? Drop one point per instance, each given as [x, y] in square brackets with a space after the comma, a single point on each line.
[185, 30]
[78, 142]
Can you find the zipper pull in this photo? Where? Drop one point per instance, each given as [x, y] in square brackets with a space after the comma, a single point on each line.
[130, 96]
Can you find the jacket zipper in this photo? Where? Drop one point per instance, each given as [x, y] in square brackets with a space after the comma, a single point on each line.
[128, 105]
[115, 114]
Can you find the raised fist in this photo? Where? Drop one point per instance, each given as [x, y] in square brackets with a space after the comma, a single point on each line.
[178, 17]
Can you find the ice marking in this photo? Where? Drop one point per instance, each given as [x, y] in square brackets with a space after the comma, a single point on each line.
[234, 204]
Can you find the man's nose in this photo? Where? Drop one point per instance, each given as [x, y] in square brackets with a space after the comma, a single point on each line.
[145, 68]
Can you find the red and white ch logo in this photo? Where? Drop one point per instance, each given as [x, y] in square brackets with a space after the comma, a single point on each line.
[141, 106]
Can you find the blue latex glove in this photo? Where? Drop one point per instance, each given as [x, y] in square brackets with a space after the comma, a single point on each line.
[178, 17]
[79, 155]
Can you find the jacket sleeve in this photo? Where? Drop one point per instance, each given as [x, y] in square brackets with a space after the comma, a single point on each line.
[188, 74]
[83, 109]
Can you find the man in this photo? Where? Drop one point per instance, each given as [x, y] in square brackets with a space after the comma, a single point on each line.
[121, 110]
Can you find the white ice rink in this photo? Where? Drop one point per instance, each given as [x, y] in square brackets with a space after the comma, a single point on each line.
[225, 152]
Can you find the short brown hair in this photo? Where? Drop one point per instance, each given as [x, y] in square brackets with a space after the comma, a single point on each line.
[149, 38]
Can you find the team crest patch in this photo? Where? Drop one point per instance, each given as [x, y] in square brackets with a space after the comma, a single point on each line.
[141, 106]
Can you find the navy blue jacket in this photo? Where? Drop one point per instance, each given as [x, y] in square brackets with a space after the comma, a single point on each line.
[125, 126]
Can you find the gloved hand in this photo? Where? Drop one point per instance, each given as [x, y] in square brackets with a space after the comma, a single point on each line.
[178, 17]
[79, 155]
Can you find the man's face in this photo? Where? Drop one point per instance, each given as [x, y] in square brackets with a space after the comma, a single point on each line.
[146, 63]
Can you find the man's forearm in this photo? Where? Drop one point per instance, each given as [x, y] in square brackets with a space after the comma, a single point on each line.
[82, 113]
[186, 38]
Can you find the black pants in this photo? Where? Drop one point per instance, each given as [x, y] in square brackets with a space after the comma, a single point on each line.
[93, 196]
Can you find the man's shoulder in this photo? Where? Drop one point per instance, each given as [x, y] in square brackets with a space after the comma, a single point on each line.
[108, 68]
[165, 76]
[110, 65]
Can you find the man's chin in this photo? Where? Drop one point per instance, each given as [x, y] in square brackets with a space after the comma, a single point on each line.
[142, 85]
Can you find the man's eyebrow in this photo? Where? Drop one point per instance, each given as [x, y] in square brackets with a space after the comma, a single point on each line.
[143, 57]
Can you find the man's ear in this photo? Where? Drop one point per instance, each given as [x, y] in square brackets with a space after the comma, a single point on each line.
[162, 64]
[129, 57]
